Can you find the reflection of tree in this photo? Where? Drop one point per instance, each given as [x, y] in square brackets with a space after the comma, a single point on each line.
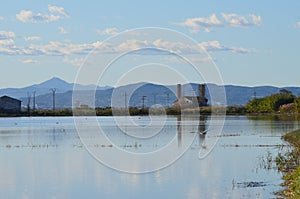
[276, 123]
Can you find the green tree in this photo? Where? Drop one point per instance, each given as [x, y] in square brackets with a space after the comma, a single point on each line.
[270, 104]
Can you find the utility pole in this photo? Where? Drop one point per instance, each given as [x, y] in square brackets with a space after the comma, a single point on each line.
[168, 98]
[53, 98]
[28, 102]
[125, 101]
[143, 100]
[33, 100]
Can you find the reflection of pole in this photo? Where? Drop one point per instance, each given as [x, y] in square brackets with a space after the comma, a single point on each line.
[33, 100]
[143, 101]
[53, 98]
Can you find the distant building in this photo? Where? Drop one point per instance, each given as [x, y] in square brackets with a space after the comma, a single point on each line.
[9, 105]
[187, 101]
[83, 106]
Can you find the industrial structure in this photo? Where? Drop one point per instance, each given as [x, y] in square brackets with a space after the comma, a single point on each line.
[10, 105]
[189, 101]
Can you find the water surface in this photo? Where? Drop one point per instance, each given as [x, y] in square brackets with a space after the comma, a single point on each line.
[43, 157]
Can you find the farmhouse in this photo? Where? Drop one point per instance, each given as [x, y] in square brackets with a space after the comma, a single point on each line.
[9, 105]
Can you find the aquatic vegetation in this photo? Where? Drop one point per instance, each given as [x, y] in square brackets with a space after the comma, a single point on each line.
[289, 164]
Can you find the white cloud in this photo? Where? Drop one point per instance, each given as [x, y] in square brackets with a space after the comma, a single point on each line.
[62, 30]
[256, 19]
[108, 31]
[236, 20]
[28, 16]
[1, 18]
[74, 62]
[32, 38]
[56, 13]
[297, 25]
[175, 47]
[6, 34]
[131, 45]
[6, 42]
[55, 48]
[29, 61]
[114, 31]
[232, 20]
[241, 50]
[213, 46]
[59, 10]
[196, 24]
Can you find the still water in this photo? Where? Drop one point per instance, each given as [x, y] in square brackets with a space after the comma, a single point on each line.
[43, 157]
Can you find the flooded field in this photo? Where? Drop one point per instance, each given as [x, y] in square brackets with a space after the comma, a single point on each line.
[45, 158]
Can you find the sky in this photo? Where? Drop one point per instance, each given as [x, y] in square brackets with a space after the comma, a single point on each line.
[251, 42]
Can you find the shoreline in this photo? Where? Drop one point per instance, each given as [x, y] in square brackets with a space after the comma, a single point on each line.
[289, 165]
[136, 111]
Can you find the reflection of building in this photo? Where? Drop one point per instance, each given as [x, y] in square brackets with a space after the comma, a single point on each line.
[198, 128]
[10, 105]
[179, 131]
[189, 101]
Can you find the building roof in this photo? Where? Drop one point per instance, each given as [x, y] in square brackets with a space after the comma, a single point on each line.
[7, 97]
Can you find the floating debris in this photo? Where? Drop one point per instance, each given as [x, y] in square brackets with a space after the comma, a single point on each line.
[254, 145]
[30, 146]
[250, 184]
[228, 135]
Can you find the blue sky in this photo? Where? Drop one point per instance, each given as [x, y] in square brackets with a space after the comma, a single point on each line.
[252, 42]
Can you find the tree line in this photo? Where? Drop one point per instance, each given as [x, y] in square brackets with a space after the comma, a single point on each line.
[282, 102]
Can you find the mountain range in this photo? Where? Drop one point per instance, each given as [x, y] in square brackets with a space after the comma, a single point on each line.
[60, 86]
[146, 94]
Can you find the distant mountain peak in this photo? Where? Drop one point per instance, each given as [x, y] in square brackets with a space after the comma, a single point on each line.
[55, 79]
[56, 82]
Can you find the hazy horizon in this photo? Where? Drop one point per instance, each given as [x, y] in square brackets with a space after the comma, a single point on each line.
[36, 83]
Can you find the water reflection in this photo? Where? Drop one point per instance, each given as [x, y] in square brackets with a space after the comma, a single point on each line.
[66, 171]
[179, 131]
[276, 123]
[202, 131]
[200, 125]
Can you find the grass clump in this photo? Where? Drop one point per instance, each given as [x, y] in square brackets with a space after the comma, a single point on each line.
[290, 165]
